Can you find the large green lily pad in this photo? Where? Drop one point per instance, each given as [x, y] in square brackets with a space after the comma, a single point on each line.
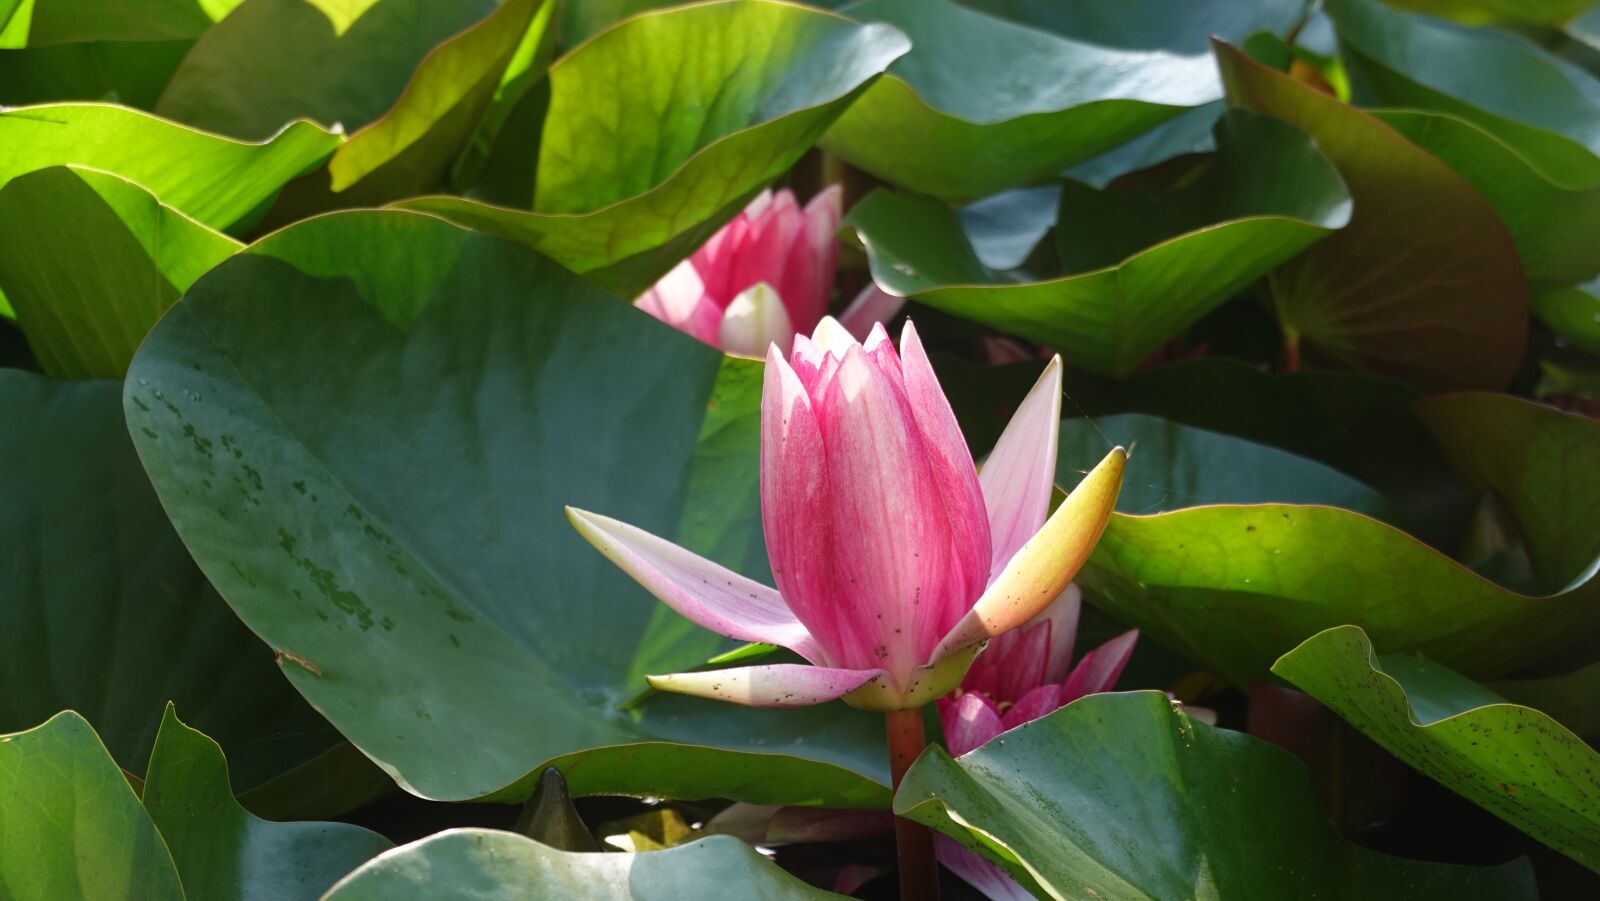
[71, 826]
[213, 179]
[1552, 222]
[85, 321]
[699, 107]
[1547, 108]
[1121, 795]
[337, 62]
[224, 853]
[502, 866]
[1190, 576]
[90, 544]
[1514, 761]
[981, 104]
[396, 530]
[1424, 283]
[1228, 228]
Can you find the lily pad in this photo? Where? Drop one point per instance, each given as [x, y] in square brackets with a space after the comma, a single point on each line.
[1189, 576]
[714, 101]
[42, 23]
[1514, 761]
[1424, 284]
[1553, 223]
[1121, 795]
[412, 146]
[1571, 699]
[502, 866]
[336, 62]
[215, 180]
[85, 321]
[458, 631]
[92, 544]
[131, 73]
[224, 853]
[73, 826]
[1547, 108]
[1231, 226]
[982, 104]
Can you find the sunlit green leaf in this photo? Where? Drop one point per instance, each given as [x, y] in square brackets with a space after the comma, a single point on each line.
[1515, 761]
[337, 62]
[43, 23]
[86, 321]
[71, 826]
[1122, 796]
[1573, 313]
[767, 79]
[224, 853]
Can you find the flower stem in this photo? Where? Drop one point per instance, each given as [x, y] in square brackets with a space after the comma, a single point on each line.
[919, 874]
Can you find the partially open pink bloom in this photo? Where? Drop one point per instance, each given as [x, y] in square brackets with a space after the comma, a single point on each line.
[894, 560]
[1021, 676]
[764, 277]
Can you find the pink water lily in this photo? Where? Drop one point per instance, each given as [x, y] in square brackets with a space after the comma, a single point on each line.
[764, 277]
[895, 560]
[1021, 676]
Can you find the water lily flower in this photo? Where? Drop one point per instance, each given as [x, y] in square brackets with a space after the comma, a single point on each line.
[895, 560]
[764, 277]
[1021, 676]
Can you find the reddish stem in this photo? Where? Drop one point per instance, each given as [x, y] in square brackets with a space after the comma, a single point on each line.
[919, 873]
[1291, 351]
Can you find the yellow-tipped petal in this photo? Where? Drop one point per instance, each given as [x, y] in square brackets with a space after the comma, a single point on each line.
[1041, 569]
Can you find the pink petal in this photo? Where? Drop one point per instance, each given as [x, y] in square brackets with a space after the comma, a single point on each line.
[871, 307]
[1036, 703]
[1020, 472]
[969, 722]
[707, 594]
[831, 338]
[1099, 669]
[1011, 664]
[764, 255]
[679, 299]
[1061, 620]
[891, 552]
[953, 472]
[795, 501]
[754, 321]
[978, 872]
[813, 257]
[775, 685]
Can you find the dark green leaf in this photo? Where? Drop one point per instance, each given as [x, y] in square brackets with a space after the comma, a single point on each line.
[91, 545]
[412, 146]
[751, 84]
[458, 631]
[1424, 283]
[1122, 796]
[1172, 466]
[85, 321]
[1514, 761]
[501, 866]
[128, 72]
[42, 23]
[72, 826]
[224, 853]
[1571, 699]
[1213, 243]
[333, 61]
[1544, 463]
